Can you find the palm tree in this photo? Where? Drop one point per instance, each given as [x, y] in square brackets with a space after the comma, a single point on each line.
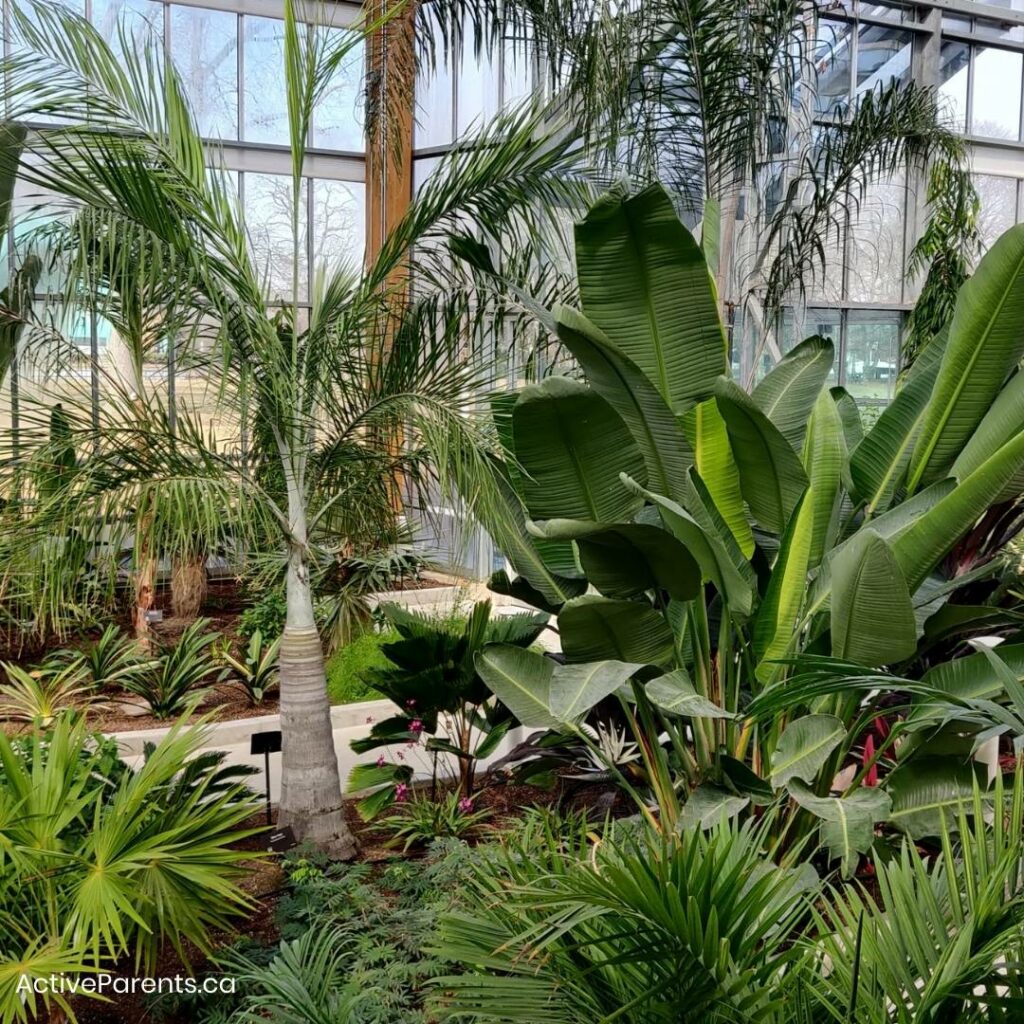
[377, 362]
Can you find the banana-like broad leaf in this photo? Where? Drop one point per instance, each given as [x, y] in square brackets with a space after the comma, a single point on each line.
[928, 793]
[674, 692]
[824, 462]
[575, 689]
[878, 465]
[644, 281]
[707, 435]
[596, 628]
[847, 823]
[1001, 423]
[849, 413]
[708, 805]
[619, 382]
[804, 746]
[571, 446]
[986, 342]
[974, 677]
[628, 559]
[791, 388]
[707, 546]
[872, 615]
[771, 477]
[521, 680]
[921, 546]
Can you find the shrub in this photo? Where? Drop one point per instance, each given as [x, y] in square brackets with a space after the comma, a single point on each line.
[39, 697]
[112, 660]
[348, 668]
[421, 820]
[267, 615]
[256, 670]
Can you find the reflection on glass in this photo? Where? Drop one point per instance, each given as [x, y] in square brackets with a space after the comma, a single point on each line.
[204, 48]
[875, 253]
[824, 323]
[832, 58]
[138, 20]
[995, 101]
[998, 30]
[998, 197]
[339, 224]
[872, 355]
[477, 89]
[883, 56]
[434, 106]
[338, 115]
[828, 280]
[954, 59]
[268, 219]
[266, 104]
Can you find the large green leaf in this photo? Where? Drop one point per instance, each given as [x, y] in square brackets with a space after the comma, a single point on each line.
[627, 559]
[921, 546]
[644, 281]
[928, 791]
[709, 439]
[788, 393]
[879, 463]
[824, 457]
[708, 805]
[849, 413]
[571, 446]
[521, 680]
[1002, 422]
[872, 615]
[804, 746]
[675, 693]
[710, 551]
[973, 676]
[986, 342]
[576, 688]
[771, 476]
[848, 823]
[598, 629]
[621, 383]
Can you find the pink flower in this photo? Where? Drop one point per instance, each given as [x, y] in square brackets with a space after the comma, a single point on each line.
[465, 805]
[415, 725]
[369, 719]
[410, 703]
[401, 792]
[380, 761]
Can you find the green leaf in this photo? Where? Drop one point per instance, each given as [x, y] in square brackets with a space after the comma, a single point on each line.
[791, 388]
[707, 805]
[927, 791]
[824, 457]
[713, 458]
[878, 465]
[848, 823]
[771, 476]
[620, 382]
[644, 281]
[571, 446]
[674, 692]
[849, 413]
[1003, 421]
[804, 747]
[973, 676]
[598, 629]
[986, 342]
[708, 548]
[521, 680]
[872, 615]
[576, 688]
[627, 559]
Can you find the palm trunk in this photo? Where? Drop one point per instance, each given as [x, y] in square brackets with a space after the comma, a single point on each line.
[145, 595]
[311, 800]
[188, 584]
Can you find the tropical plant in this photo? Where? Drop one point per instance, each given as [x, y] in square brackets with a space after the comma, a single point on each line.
[432, 678]
[256, 670]
[104, 663]
[326, 401]
[91, 873]
[39, 697]
[728, 537]
[420, 820]
[172, 686]
[266, 616]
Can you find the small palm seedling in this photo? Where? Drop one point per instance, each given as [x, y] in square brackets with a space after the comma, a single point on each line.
[111, 661]
[39, 697]
[256, 669]
[173, 686]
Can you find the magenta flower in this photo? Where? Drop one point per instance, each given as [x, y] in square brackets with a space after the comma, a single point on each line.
[410, 703]
[380, 761]
[401, 792]
[465, 805]
[415, 725]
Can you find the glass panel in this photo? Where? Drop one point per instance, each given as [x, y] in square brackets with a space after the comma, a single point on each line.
[998, 30]
[204, 48]
[872, 355]
[1012, 5]
[139, 20]
[995, 102]
[954, 59]
[998, 206]
[890, 12]
[268, 217]
[339, 224]
[952, 23]
[338, 115]
[422, 168]
[516, 72]
[876, 243]
[828, 281]
[883, 56]
[434, 107]
[826, 323]
[477, 96]
[833, 58]
[266, 104]
[15, 106]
